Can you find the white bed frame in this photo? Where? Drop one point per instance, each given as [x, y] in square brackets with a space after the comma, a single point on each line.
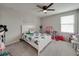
[42, 43]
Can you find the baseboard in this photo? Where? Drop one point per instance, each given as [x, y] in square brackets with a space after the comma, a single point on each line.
[10, 43]
[13, 40]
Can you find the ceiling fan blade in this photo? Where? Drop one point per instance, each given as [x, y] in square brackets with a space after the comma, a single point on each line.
[50, 5]
[39, 7]
[50, 9]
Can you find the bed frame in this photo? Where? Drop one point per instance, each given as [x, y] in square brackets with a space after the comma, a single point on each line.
[42, 42]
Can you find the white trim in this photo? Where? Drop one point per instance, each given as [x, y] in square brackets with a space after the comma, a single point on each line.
[12, 42]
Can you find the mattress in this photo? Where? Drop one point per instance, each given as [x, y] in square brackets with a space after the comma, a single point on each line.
[42, 41]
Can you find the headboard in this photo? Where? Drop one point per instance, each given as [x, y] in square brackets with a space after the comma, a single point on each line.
[26, 28]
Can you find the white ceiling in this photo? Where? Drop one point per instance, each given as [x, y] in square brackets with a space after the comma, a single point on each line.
[31, 8]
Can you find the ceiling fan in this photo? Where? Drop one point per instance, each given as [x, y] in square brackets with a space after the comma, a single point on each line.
[46, 8]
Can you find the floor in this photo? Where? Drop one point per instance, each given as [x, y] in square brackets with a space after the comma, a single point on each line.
[21, 49]
[58, 48]
[55, 48]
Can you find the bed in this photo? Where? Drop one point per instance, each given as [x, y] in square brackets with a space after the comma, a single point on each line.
[34, 38]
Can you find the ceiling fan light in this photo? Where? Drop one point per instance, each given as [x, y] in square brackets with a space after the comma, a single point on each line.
[45, 11]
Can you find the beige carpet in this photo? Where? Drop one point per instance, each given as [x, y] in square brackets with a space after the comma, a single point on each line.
[58, 48]
[55, 48]
[21, 49]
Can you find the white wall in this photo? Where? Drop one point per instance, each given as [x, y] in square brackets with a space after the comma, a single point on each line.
[13, 19]
[31, 20]
[77, 21]
[54, 21]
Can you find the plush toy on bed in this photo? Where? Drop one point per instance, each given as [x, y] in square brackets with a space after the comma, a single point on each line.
[48, 29]
[57, 37]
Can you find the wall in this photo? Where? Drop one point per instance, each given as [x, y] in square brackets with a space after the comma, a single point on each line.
[54, 21]
[77, 22]
[31, 20]
[13, 19]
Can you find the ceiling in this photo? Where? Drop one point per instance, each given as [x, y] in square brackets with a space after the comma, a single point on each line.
[31, 8]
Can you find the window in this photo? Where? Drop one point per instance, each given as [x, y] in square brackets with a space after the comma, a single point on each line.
[67, 24]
